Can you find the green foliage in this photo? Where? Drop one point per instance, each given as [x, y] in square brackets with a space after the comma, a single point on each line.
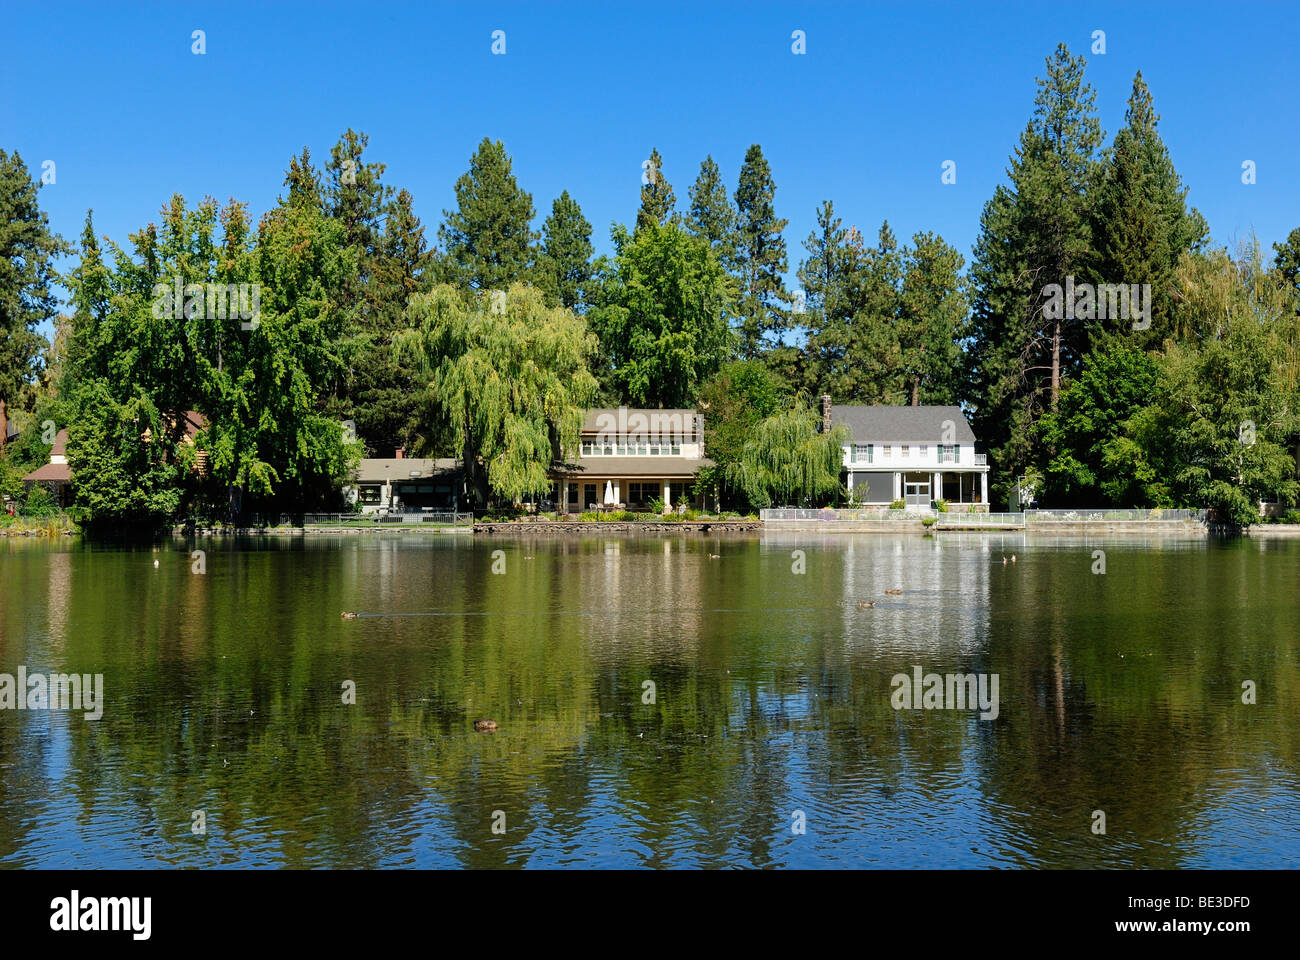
[1034, 232]
[513, 385]
[712, 214]
[663, 320]
[760, 256]
[1116, 381]
[657, 198]
[487, 239]
[564, 266]
[27, 252]
[787, 460]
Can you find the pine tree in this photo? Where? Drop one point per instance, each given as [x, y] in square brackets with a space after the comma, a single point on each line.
[760, 255]
[487, 239]
[27, 252]
[658, 202]
[1034, 232]
[1141, 223]
[564, 266]
[389, 401]
[712, 214]
[934, 308]
[1287, 263]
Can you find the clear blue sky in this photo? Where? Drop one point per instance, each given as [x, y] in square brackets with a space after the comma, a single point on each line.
[884, 95]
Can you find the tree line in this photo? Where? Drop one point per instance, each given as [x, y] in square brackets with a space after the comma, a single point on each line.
[488, 344]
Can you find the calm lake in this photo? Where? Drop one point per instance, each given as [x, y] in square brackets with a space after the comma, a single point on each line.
[656, 707]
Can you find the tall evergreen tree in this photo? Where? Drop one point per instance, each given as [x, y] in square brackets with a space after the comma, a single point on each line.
[712, 214]
[933, 312]
[488, 240]
[658, 203]
[564, 266]
[1141, 222]
[760, 255]
[389, 401]
[1034, 232]
[27, 251]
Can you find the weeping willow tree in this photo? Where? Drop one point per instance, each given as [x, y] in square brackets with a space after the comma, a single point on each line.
[510, 375]
[787, 460]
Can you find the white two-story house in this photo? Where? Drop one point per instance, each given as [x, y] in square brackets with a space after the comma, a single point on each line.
[913, 454]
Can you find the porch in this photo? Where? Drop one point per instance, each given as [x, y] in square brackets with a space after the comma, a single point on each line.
[918, 489]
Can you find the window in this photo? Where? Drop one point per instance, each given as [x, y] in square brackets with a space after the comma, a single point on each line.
[862, 453]
[948, 453]
[887, 450]
[904, 449]
[925, 451]
[573, 497]
[588, 448]
[370, 492]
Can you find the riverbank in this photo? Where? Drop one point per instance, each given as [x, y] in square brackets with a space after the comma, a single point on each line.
[614, 527]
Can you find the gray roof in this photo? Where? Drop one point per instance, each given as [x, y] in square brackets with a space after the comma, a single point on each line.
[399, 469]
[903, 424]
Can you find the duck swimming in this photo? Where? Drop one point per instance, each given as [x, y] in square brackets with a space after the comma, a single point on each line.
[866, 604]
[893, 592]
[348, 615]
[715, 556]
[484, 726]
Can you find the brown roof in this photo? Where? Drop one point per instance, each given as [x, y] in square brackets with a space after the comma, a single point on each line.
[51, 471]
[634, 467]
[655, 421]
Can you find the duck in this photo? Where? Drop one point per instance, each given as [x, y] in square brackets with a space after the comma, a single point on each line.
[349, 615]
[715, 556]
[1013, 558]
[893, 592]
[1004, 561]
[866, 604]
[155, 564]
[484, 726]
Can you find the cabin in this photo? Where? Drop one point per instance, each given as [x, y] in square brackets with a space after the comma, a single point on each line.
[402, 484]
[914, 454]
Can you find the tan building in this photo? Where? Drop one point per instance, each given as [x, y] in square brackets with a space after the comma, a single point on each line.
[629, 457]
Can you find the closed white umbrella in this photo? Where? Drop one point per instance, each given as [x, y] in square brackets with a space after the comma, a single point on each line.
[609, 493]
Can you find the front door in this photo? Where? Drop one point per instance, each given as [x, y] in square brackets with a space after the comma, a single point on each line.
[916, 489]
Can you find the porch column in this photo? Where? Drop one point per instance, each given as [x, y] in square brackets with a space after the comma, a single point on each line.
[668, 494]
[564, 494]
[618, 497]
[898, 486]
[936, 487]
[984, 487]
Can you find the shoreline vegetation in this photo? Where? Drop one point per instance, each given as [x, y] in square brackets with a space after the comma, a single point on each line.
[223, 364]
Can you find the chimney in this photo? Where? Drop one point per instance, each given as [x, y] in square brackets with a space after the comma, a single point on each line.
[826, 413]
[401, 452]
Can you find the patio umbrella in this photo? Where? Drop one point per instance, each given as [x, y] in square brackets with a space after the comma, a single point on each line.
[609, 493]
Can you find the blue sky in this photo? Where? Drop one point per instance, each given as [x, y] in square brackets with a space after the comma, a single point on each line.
[884, 95]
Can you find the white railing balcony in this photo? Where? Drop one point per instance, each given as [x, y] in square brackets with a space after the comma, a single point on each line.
[981, 459]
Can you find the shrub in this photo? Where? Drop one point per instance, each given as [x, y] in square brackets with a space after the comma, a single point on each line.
[929, 521]
[656, 505]
[897, 505]
[1291, 516]
[941, 506]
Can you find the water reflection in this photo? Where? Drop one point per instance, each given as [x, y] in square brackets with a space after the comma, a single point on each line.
[1120, 692]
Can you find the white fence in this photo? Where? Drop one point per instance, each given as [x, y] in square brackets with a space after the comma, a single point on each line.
[952, 519]
[1156, 515]
[863, 515]
[446, 518]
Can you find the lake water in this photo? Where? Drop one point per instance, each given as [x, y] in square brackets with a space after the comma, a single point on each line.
[224, 696]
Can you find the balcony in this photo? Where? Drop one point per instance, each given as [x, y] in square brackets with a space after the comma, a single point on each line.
[981, 459]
